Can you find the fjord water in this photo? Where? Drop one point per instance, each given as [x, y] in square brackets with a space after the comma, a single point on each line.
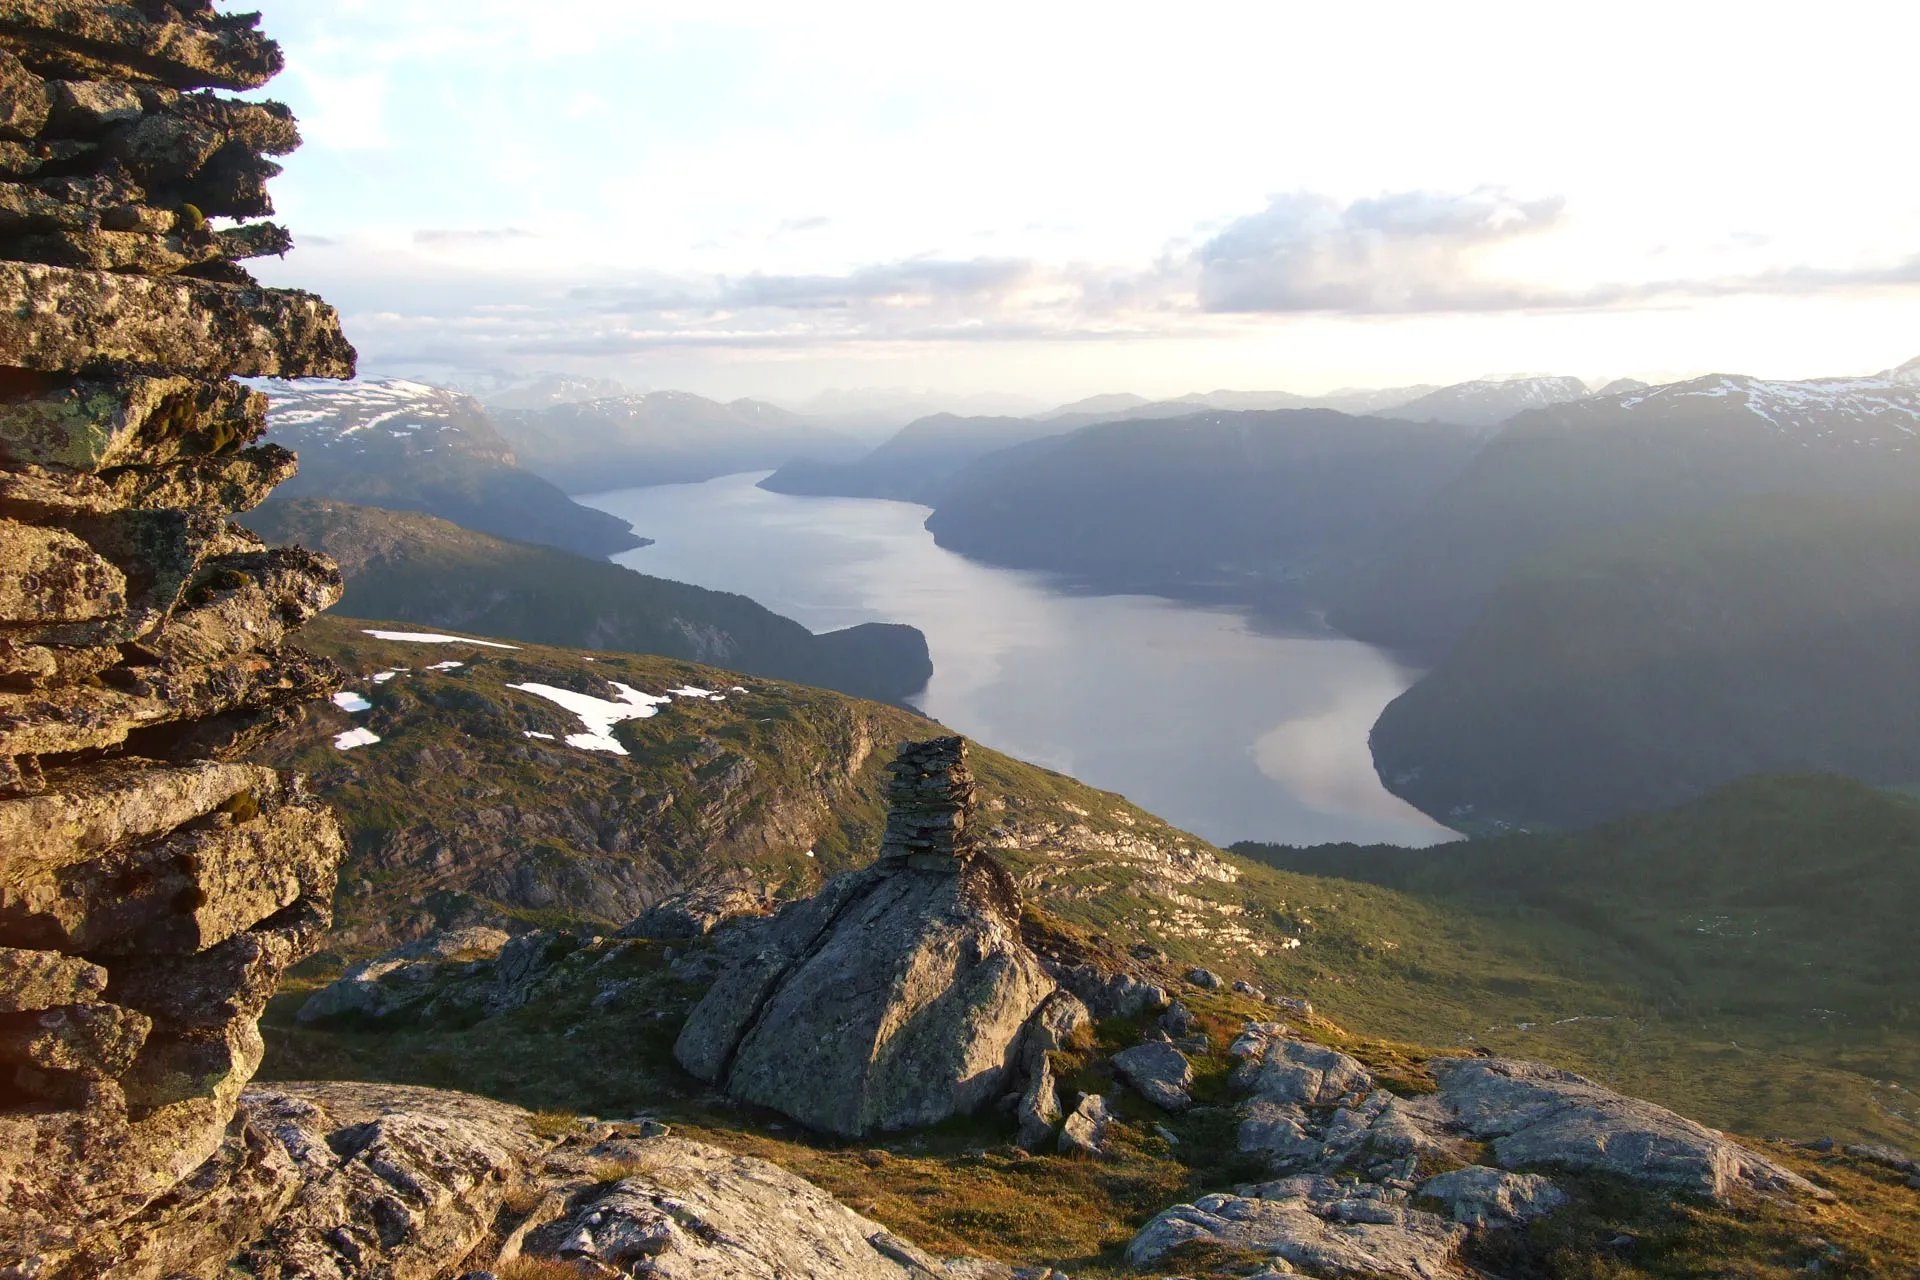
[1195, 713]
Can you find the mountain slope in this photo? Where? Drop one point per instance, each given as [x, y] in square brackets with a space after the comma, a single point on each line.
[412, 447]
[1642, 670]
[1640, 457]
[461, 811]
[662, 437]
[1214, 502]
[456, 815]
[1773, 898]
[431, 573]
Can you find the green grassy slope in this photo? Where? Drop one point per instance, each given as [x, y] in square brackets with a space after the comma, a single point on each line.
[1750, 953]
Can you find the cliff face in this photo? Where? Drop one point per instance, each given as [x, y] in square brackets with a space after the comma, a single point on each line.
[152, 887]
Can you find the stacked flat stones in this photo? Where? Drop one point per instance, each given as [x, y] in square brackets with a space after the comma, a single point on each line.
[153, 887]
[929, 808]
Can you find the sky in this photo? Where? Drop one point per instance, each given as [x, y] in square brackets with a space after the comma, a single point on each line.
[1054, 199]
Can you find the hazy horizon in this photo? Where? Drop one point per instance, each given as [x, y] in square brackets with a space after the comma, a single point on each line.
[1057, 202]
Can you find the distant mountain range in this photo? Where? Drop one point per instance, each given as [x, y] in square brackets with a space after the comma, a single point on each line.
[420, 570]
[923, 459]
[662, 437]
[408, 446]
[1619, 461]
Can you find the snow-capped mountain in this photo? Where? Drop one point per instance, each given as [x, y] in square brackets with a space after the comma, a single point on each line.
[389, 442]
[1882, 410]
[380, 416]
[1488, 402]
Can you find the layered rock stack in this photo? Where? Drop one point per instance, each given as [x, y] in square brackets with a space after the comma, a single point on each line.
[929, 807]
[152, 887]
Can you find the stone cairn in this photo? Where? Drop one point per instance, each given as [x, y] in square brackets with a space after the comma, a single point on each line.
[929, 808]
[153, 888]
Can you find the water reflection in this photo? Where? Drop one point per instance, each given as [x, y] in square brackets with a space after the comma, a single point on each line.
[1190, 711]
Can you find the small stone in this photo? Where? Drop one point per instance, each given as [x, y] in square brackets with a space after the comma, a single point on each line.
[1206, 978]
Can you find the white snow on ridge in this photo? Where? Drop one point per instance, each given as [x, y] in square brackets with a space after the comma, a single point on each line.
[428, 637]
[688, 691]
[1885, 408]
[599, 715]
[351, 702]
[355, 738]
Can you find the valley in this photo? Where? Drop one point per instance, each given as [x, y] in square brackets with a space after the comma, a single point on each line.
[1200, 714]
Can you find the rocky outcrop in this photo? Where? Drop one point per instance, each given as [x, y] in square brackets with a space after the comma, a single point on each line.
[397, 979]
[152, 889]
[1539, 1115]
[895, 997]
[1354, 1152]
[695, 913]
[1333, 1227]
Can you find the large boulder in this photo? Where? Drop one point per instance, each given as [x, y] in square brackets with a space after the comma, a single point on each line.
[898, 995]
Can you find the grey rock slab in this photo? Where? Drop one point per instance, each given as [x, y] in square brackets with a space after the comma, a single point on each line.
[1539, 1115]
[1159, 1072]
[1477, 1196]
[1084, 1132]
[688, 1211]
[1312, 1222]
[1297, 1071]
[1039, 1109]
[1059, 1017]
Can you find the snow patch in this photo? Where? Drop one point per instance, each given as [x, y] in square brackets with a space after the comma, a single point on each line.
[688, 691]
[598, 715]
[381, 677]
[351, 702]
[356, 738]
[533, 734]
[446, 666]
[429, 637]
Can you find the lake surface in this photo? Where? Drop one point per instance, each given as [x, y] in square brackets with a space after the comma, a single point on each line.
[1194, 713]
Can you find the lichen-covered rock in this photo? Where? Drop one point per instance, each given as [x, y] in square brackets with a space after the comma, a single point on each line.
[1315, 1222]
[151, 891]
[57, 318]
[46, 980]
[895, 997]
